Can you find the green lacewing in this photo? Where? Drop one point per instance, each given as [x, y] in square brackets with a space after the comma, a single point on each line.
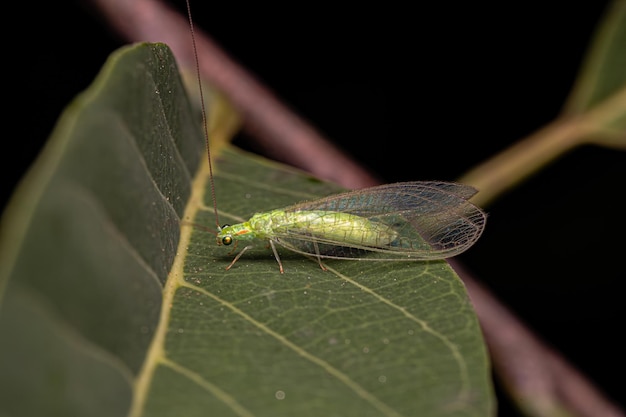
[410, 221]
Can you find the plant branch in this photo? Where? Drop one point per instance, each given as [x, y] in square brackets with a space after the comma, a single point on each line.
[516, 163]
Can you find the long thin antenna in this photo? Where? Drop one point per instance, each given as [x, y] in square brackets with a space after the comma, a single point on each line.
[204, 116]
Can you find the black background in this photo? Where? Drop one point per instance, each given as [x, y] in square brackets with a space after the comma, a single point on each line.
[413, 93]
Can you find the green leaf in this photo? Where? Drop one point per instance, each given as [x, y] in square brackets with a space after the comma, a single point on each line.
[110, 308]
[599, 95]
[603, 72]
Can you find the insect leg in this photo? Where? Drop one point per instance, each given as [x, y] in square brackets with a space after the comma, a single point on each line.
[280, 265]
[238, 256]
[319, 257]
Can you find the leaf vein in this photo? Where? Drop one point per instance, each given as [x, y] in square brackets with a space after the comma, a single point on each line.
[345, 379]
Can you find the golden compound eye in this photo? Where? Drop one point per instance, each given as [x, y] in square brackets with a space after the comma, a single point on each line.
[227, 240]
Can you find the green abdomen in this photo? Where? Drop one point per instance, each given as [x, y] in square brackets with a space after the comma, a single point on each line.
[327, 225]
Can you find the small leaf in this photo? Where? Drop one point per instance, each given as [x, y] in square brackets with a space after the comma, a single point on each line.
[603, 72]
[110, 309]
[598, 100]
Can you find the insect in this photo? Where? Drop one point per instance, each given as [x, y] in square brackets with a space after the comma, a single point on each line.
[423, 220]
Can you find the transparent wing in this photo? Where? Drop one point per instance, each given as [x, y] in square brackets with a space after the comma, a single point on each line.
[429, 220]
